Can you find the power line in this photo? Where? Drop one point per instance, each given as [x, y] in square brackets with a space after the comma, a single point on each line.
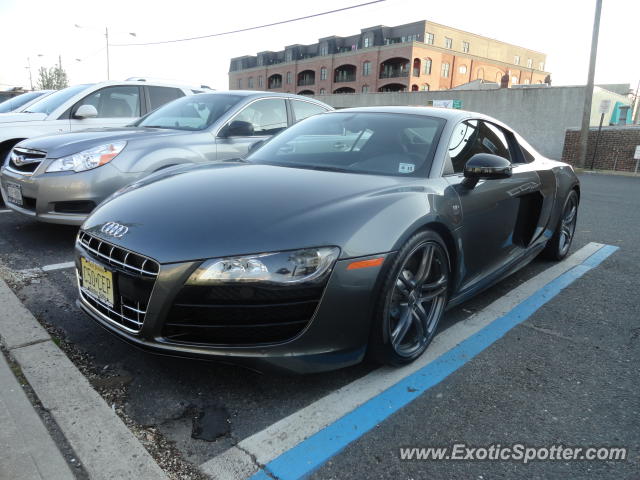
[249, 28]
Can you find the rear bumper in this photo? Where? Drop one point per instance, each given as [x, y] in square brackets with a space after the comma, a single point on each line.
[336, 336]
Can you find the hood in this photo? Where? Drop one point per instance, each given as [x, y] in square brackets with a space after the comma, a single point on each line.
[237, 208]
[20, 117]
[64, 144]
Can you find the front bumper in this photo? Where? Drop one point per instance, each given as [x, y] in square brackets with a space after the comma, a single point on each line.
[50, 197]
[336, 335]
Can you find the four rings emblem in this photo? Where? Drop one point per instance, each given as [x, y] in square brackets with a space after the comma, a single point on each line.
[114, 229]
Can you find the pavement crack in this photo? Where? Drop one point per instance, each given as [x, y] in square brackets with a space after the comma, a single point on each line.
[28, 344]
[255, 461]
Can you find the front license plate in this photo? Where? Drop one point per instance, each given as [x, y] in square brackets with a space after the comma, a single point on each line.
[14, 193]
[98, 281]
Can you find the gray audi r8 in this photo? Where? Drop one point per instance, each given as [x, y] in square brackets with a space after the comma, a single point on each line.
[348, 234]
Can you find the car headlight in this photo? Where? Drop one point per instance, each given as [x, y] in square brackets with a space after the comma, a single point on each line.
[87, 159]
[282, 268]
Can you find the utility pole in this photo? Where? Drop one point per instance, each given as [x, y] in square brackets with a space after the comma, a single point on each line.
[29, 68]
[106, 36]
[588, 92]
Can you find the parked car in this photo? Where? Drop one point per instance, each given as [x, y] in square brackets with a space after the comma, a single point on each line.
[352, 231]
[106, 104]
[61, 178]
[14, 104]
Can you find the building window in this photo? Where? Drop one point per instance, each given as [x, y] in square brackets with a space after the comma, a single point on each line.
[324, 50]
[366, 68]
[427, 66]
[239, 83]
[445, 70]
[288, 77]
[529, 63]
[526, 81]
[465, 47]
[425, 87]
[322, 91]
[514, 80]
[260, 81]
[428, 38]
[260, 61]
[323, 73]
[288, 56]
[250, 82]
[462, 69]
[541, 66]
[516, 59]
[448, 42]
[365, 89]
[366, 43]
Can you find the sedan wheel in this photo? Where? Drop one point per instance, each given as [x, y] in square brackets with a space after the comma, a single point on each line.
[413, 300]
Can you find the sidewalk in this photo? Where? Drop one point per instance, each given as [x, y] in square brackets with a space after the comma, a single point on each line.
[27, 452]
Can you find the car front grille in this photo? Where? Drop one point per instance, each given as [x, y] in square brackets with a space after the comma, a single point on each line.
[134, 279]
[240, 315]
[25, 160]
[119, 257]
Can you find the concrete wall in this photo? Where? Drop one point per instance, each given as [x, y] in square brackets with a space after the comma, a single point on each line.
[541, 115]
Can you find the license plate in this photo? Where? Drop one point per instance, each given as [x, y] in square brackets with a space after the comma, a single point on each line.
[98, 281]
[14, 193]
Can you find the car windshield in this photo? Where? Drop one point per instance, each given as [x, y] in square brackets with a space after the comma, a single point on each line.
[16, 102]
[195, 112]
[374, 143]
[49, 103]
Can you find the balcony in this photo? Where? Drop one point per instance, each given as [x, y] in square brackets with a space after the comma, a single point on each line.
[306, 77]
[394, 74]
[344, 73]
[274, 81]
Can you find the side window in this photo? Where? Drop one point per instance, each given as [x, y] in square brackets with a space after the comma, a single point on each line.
[528, 157]
[158, 96]
[302, 110]
[114, 102]
[473, 136]
[267, 117]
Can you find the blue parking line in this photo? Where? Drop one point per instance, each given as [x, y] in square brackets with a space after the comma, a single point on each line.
[310, 454]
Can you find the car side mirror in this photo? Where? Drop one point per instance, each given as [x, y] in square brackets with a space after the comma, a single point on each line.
[86, 111]
[256, 146]
[237, 128]
[485, 166]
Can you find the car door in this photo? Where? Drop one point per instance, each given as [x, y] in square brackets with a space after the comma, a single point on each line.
[264, 118]
[499, 216]
[117, 106]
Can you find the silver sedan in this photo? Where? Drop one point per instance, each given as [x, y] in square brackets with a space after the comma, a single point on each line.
[62, 178]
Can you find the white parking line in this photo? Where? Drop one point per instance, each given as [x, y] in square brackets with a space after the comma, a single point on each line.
[58, 266]
[5, 211]
[240, 462]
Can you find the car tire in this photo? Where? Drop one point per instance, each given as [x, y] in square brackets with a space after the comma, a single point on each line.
[411, 300]
[559, 245]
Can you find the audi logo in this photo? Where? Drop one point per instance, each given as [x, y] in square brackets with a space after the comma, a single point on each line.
[114, 229]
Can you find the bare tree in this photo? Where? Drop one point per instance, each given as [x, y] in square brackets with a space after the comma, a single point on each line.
[54, 78]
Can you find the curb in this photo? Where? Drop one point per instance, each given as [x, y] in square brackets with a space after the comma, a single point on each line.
[102, 442]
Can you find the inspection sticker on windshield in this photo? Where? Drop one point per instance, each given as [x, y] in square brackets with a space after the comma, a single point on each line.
[406, 168]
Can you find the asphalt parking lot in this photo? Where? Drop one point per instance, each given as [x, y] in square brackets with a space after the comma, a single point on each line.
[567, 375]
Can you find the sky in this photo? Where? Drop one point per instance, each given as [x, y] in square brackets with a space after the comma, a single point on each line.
[40, 31]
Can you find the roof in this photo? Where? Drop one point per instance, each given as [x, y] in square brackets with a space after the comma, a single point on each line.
[262, 94]
[446, 113]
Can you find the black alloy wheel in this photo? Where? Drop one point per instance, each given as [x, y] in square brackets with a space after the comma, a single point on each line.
[558, 246]
[413, 300]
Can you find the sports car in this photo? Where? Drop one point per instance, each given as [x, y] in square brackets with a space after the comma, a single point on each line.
[347, 235]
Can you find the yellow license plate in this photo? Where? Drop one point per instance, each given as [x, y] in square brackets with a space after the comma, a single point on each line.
[97, 280]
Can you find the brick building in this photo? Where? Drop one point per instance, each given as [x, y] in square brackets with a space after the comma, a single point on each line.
[417, 56]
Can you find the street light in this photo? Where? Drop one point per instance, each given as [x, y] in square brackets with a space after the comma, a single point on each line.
[106, 36]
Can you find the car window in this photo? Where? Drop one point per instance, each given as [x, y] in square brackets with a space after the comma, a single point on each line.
[474, 136]
[16, 102]
[114, 102]
[158, 96]
[195, 112]
[267, 117]
[302, 110]
[51, 102]
[372, 143]
[528, 157]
